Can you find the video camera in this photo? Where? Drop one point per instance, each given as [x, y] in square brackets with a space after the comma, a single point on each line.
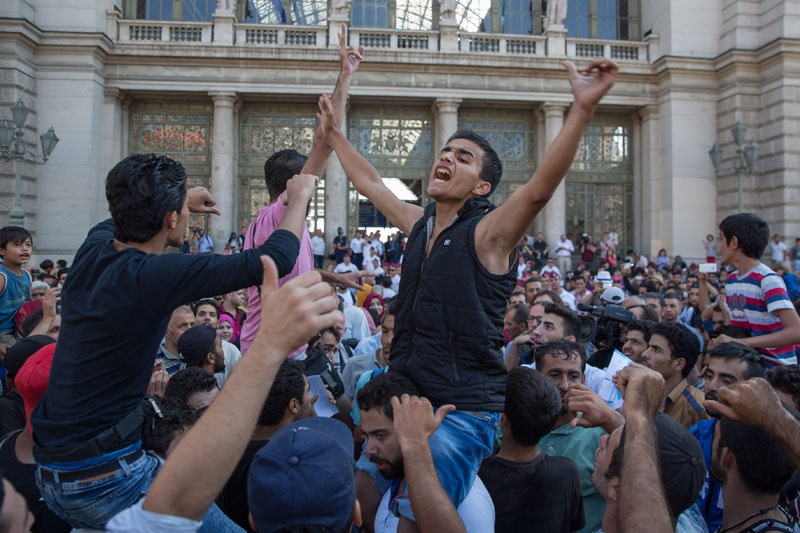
[601, 325]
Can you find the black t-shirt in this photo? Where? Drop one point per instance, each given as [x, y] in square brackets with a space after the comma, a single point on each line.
[23, 477]
[116, 306]
[12, 412]
[542, 495]
[233, 498]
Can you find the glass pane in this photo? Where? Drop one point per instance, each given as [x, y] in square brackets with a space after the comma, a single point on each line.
[578, 19]
[517, 17]
[158, 10]
[473, 15]
[370, 13]
[198, 10]
[265, 12]
[414, 15]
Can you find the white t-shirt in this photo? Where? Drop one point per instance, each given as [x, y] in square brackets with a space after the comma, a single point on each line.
[136, 520]
[476, 511]
[317, 245]
[341, 268]
[357, 246]
[778, 250]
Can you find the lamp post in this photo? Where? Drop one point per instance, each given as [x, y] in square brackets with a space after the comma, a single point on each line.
[746, 156]
[12, 146]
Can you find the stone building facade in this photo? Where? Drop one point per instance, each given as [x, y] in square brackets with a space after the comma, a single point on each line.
[221, 84]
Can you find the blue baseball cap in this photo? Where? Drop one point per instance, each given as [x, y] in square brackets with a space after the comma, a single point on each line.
[304, 476]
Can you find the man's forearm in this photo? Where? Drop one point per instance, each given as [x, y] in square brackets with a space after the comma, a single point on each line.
[321, 150]
[433, 509]
[642, 503]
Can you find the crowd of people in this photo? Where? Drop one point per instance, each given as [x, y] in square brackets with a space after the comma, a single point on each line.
[462, 378]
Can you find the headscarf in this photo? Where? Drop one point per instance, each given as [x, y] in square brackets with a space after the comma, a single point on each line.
[224, 317]
[368, 300]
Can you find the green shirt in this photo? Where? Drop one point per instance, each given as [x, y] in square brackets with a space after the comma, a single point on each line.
[580, 445]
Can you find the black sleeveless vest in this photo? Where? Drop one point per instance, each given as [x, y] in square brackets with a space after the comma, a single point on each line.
[449, 323]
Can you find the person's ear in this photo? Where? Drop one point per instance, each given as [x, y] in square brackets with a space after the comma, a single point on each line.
[482, 188]
[171, 220]
[678, 364]
[293, 406]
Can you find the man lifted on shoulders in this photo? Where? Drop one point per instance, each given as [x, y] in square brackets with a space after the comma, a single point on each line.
[458, 270]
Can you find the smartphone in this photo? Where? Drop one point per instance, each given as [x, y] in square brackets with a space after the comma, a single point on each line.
[708, 268]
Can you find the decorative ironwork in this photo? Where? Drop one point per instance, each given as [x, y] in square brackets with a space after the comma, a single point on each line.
[180, 131]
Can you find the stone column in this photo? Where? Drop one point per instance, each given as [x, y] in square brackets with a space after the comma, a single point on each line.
[337, 198]
[446, 111]
[555, 212]
[222, 175]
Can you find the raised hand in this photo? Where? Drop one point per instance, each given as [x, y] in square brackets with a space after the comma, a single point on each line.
[201, 201]
[642, 389]
[299, 309]
[350, 56]
[592, 82]
[414, 419]
[300, 188]
[326, 116]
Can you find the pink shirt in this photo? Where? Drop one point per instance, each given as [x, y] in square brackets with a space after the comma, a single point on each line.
[268, 219]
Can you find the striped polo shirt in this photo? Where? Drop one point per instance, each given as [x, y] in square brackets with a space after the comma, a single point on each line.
[754, 300]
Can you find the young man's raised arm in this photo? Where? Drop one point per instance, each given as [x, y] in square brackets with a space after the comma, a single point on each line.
[500, 231]
[194, 474]
[350, 58]
[364, 176]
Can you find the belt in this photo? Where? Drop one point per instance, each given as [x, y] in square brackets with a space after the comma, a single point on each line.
[92, 471]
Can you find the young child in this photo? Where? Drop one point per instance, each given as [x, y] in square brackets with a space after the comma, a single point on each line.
[16, 244]
[756, 295]
[711, 249]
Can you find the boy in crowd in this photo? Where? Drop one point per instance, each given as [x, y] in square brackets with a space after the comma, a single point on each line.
[755, 294]
[16, 245]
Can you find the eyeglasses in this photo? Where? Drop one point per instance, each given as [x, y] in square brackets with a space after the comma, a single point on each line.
[534, 320]
[34, 294]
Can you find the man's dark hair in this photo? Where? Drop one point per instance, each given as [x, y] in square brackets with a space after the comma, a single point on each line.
[750, 230]
[533, 279]
[645, 326]
[189, 381]
[572, 323]
[491, 167]
[763, 465]
[279, 169]
[47, 264]
[656, 296]
[649, 314]
[786, 378]
[731, 351]
[141, 190]
[206, 301]
[683, 344]
[553, 296]
[288, 383]
[14, 234]
[30, 323]
[173, 417]
[390, 309]
[62, 270]
[672, 296]
[378, 392]
[532, 406]
[560, 348]
[520, 313]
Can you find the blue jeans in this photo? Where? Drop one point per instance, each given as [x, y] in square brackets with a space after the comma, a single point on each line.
[462, 442]
[89, 505]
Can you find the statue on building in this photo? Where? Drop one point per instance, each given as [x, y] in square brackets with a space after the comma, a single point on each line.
[447, 9]
[225, 5]
[556, 13]
[341, 9]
